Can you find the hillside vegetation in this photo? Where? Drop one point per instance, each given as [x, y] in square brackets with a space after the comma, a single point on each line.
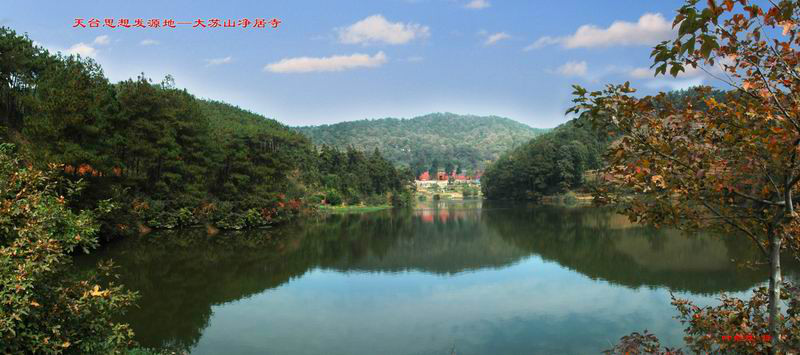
[557, 161]
[552, 163]
[166, 157]
[442, 140]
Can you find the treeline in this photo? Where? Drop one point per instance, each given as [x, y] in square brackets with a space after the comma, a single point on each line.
[558, 161]
[444, 140]
[552, 163]
[167, 158]
[355, 177]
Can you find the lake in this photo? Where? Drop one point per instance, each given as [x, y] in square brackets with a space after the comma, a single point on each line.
[447, 277]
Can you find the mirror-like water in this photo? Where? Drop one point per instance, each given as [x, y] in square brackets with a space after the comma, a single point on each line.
[461, 277]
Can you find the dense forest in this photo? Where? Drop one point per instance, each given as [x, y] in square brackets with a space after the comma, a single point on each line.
[165, 157]
[437, 141]
[551, 163]
[558, 161]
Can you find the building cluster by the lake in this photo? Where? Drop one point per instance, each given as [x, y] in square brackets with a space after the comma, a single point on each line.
[443, 176]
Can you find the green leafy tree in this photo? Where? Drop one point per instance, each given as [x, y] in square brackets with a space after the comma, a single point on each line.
[449, 167]
[434, 169]
[20, 64]
[333, 198]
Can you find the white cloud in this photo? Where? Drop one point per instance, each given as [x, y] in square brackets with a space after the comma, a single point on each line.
[674, 84]
[641, 73]
[646, 73]
[327, 64]
[102, 40]
[218, 61]
[650, 29]
[686, 79]
[496, 37]
[478, 4]
[82, 49]
[573, 69]
[149, 42]
[376, 29]
[542, 42]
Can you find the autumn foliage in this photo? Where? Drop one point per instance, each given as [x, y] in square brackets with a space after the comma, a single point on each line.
[43, 308]
[728, 165]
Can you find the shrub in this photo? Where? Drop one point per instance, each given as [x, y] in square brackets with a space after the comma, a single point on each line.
[45, 310]
[186, 217]
[353, 199]
[569, 198]
[315, 199]
[232, 221]
[401, 199]
[376, 200]
[253, 218]
[333, 197]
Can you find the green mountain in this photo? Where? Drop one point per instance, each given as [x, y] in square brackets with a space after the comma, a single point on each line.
[439, 140]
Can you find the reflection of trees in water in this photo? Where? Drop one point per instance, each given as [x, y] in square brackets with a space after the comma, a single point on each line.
[602, 245]
[180, 275]
[439, 240]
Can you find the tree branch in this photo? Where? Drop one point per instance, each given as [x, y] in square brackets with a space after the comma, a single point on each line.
[737, 226]
[753, 198]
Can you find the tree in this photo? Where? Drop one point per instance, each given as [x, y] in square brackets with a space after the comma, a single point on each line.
[43, 309]
[71, 114]
[434, 170]
[167, 158]
[727, 165]
[467, 141]
[20, 64]
[448, 167]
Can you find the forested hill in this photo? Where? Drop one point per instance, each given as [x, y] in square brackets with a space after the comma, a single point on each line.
[163, 156]
[552, 163]
[444, 139]
[557, 161]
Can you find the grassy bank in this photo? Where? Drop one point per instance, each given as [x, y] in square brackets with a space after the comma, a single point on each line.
[569, 198]
[352, 209]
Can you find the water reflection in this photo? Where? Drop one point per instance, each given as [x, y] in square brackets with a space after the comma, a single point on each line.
[483, 279]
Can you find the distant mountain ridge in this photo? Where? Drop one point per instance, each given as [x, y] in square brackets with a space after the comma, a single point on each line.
[447, 140]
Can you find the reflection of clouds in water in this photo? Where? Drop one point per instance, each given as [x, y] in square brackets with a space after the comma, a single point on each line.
[542, 303]
[490, 280]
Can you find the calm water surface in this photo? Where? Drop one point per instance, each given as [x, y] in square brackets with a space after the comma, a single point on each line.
[463, 277]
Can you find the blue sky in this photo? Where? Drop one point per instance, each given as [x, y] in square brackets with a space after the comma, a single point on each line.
[331, 60]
